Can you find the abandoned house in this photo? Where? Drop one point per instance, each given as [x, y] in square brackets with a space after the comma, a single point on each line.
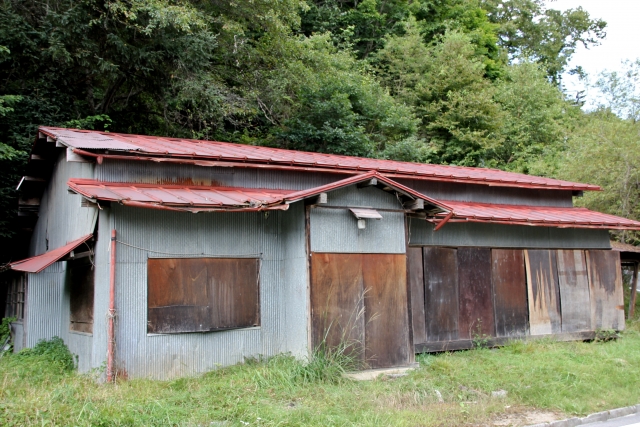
[164, 257]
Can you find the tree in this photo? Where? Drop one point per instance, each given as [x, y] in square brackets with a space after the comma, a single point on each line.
[620, 91]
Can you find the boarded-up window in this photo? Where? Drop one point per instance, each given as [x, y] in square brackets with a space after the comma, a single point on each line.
[202, 294]
[81, 286]
[15, 296]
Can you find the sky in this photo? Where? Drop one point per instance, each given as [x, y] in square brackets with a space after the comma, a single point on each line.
[622, 40]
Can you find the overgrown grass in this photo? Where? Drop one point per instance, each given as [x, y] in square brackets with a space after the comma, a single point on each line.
[567, 378]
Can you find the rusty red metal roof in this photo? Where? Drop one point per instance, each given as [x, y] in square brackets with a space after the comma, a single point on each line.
[195, 151]
[38, 263]
[206, 198]
[538, 215]
[181, 198]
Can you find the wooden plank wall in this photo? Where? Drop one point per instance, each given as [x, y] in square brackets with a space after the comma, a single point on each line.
[475, 309]
[441, 293]
[605, 286]
[574, 291]
[510, 292]
[543, 292]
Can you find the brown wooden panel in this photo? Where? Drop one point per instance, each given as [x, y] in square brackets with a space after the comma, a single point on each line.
[510, 292]
[475, 316]
[416, 285]
[234, 294]
[177, 299]
[542, 291]
[441, 293]
[605, 286]
[337, 302]
[81, 294]
[386, 311]
[575, 303]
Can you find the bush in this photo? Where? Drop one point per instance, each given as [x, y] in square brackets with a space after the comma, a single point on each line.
[53, 351]
[5, 331]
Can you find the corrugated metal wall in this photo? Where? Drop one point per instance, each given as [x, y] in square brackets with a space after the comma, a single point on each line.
[61, 219]
[490, 194]
[505, 236]
[148, 172]
[277, 239]
[335, 230]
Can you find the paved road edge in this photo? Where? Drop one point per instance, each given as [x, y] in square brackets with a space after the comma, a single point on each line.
[593, 418]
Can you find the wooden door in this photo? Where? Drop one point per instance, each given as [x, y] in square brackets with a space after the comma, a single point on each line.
[360, 301]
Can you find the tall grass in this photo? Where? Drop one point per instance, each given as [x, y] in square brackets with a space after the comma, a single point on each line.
[564, 378]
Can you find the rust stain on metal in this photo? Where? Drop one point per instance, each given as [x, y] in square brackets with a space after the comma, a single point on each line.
[543, 292]
[605, 286]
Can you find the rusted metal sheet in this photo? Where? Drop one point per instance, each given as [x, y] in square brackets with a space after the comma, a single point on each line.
[38, 263]
[386, 311]
[81, 294]
[415, 276]
[202, 294]
[542, 291]
[544, 216]
[337, 302]
[475, 316]
[510, 292]
[256, 156]
[605, 286]
[575, 301]
[441, 293]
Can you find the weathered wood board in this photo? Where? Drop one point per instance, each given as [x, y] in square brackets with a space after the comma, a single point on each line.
[415, 276]
[441, 293]
[510, 292]
[337, 302]
[475, 315]
[573, 281]
[81, 295]
[386, 311]
[542, 291]
[605, 286]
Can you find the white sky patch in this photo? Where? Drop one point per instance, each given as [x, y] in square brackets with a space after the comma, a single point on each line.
[622, 41]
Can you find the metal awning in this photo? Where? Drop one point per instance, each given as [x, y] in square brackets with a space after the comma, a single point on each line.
[38, 263]
[361, 213]
[545, 216]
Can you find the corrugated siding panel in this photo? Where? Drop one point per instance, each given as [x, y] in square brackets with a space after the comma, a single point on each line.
[278, 240]
[153, 173]
[490, 194]
[335, 230]
[44, 299]
[18, 336]
[101, 289]
[61, 219]
[506, 236]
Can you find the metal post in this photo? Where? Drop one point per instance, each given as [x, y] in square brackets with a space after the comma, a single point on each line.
[112, 311]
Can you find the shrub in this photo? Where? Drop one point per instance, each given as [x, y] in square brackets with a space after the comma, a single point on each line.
[53, 351]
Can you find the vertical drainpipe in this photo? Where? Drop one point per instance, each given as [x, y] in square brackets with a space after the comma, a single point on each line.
[112, 311]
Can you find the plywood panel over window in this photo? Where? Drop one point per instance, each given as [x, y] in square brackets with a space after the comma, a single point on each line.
[476, 317]
[543, 293]
[510, 292]
[574, 291]
[81, 290]
[605, 285]
[202, 294]
[441, 293]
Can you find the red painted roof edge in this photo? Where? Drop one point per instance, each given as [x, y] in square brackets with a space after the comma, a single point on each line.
[47, 130]
[361, 178]
[38, 263]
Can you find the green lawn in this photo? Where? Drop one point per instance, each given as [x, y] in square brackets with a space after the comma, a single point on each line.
[566, 378]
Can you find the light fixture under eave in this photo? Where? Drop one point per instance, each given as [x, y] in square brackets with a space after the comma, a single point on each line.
[363, 214]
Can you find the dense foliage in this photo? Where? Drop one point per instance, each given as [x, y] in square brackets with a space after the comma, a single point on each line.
[463, 82]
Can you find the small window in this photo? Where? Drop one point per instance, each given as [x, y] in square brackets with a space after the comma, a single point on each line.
[81, 289]
[15, 297]
[202, 294]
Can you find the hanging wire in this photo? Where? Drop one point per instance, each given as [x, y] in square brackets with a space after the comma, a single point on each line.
[191, 254]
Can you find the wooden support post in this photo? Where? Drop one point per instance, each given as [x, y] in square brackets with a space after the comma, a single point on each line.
[634, 291]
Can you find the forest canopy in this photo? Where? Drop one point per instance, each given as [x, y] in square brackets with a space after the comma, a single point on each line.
[460, 82]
